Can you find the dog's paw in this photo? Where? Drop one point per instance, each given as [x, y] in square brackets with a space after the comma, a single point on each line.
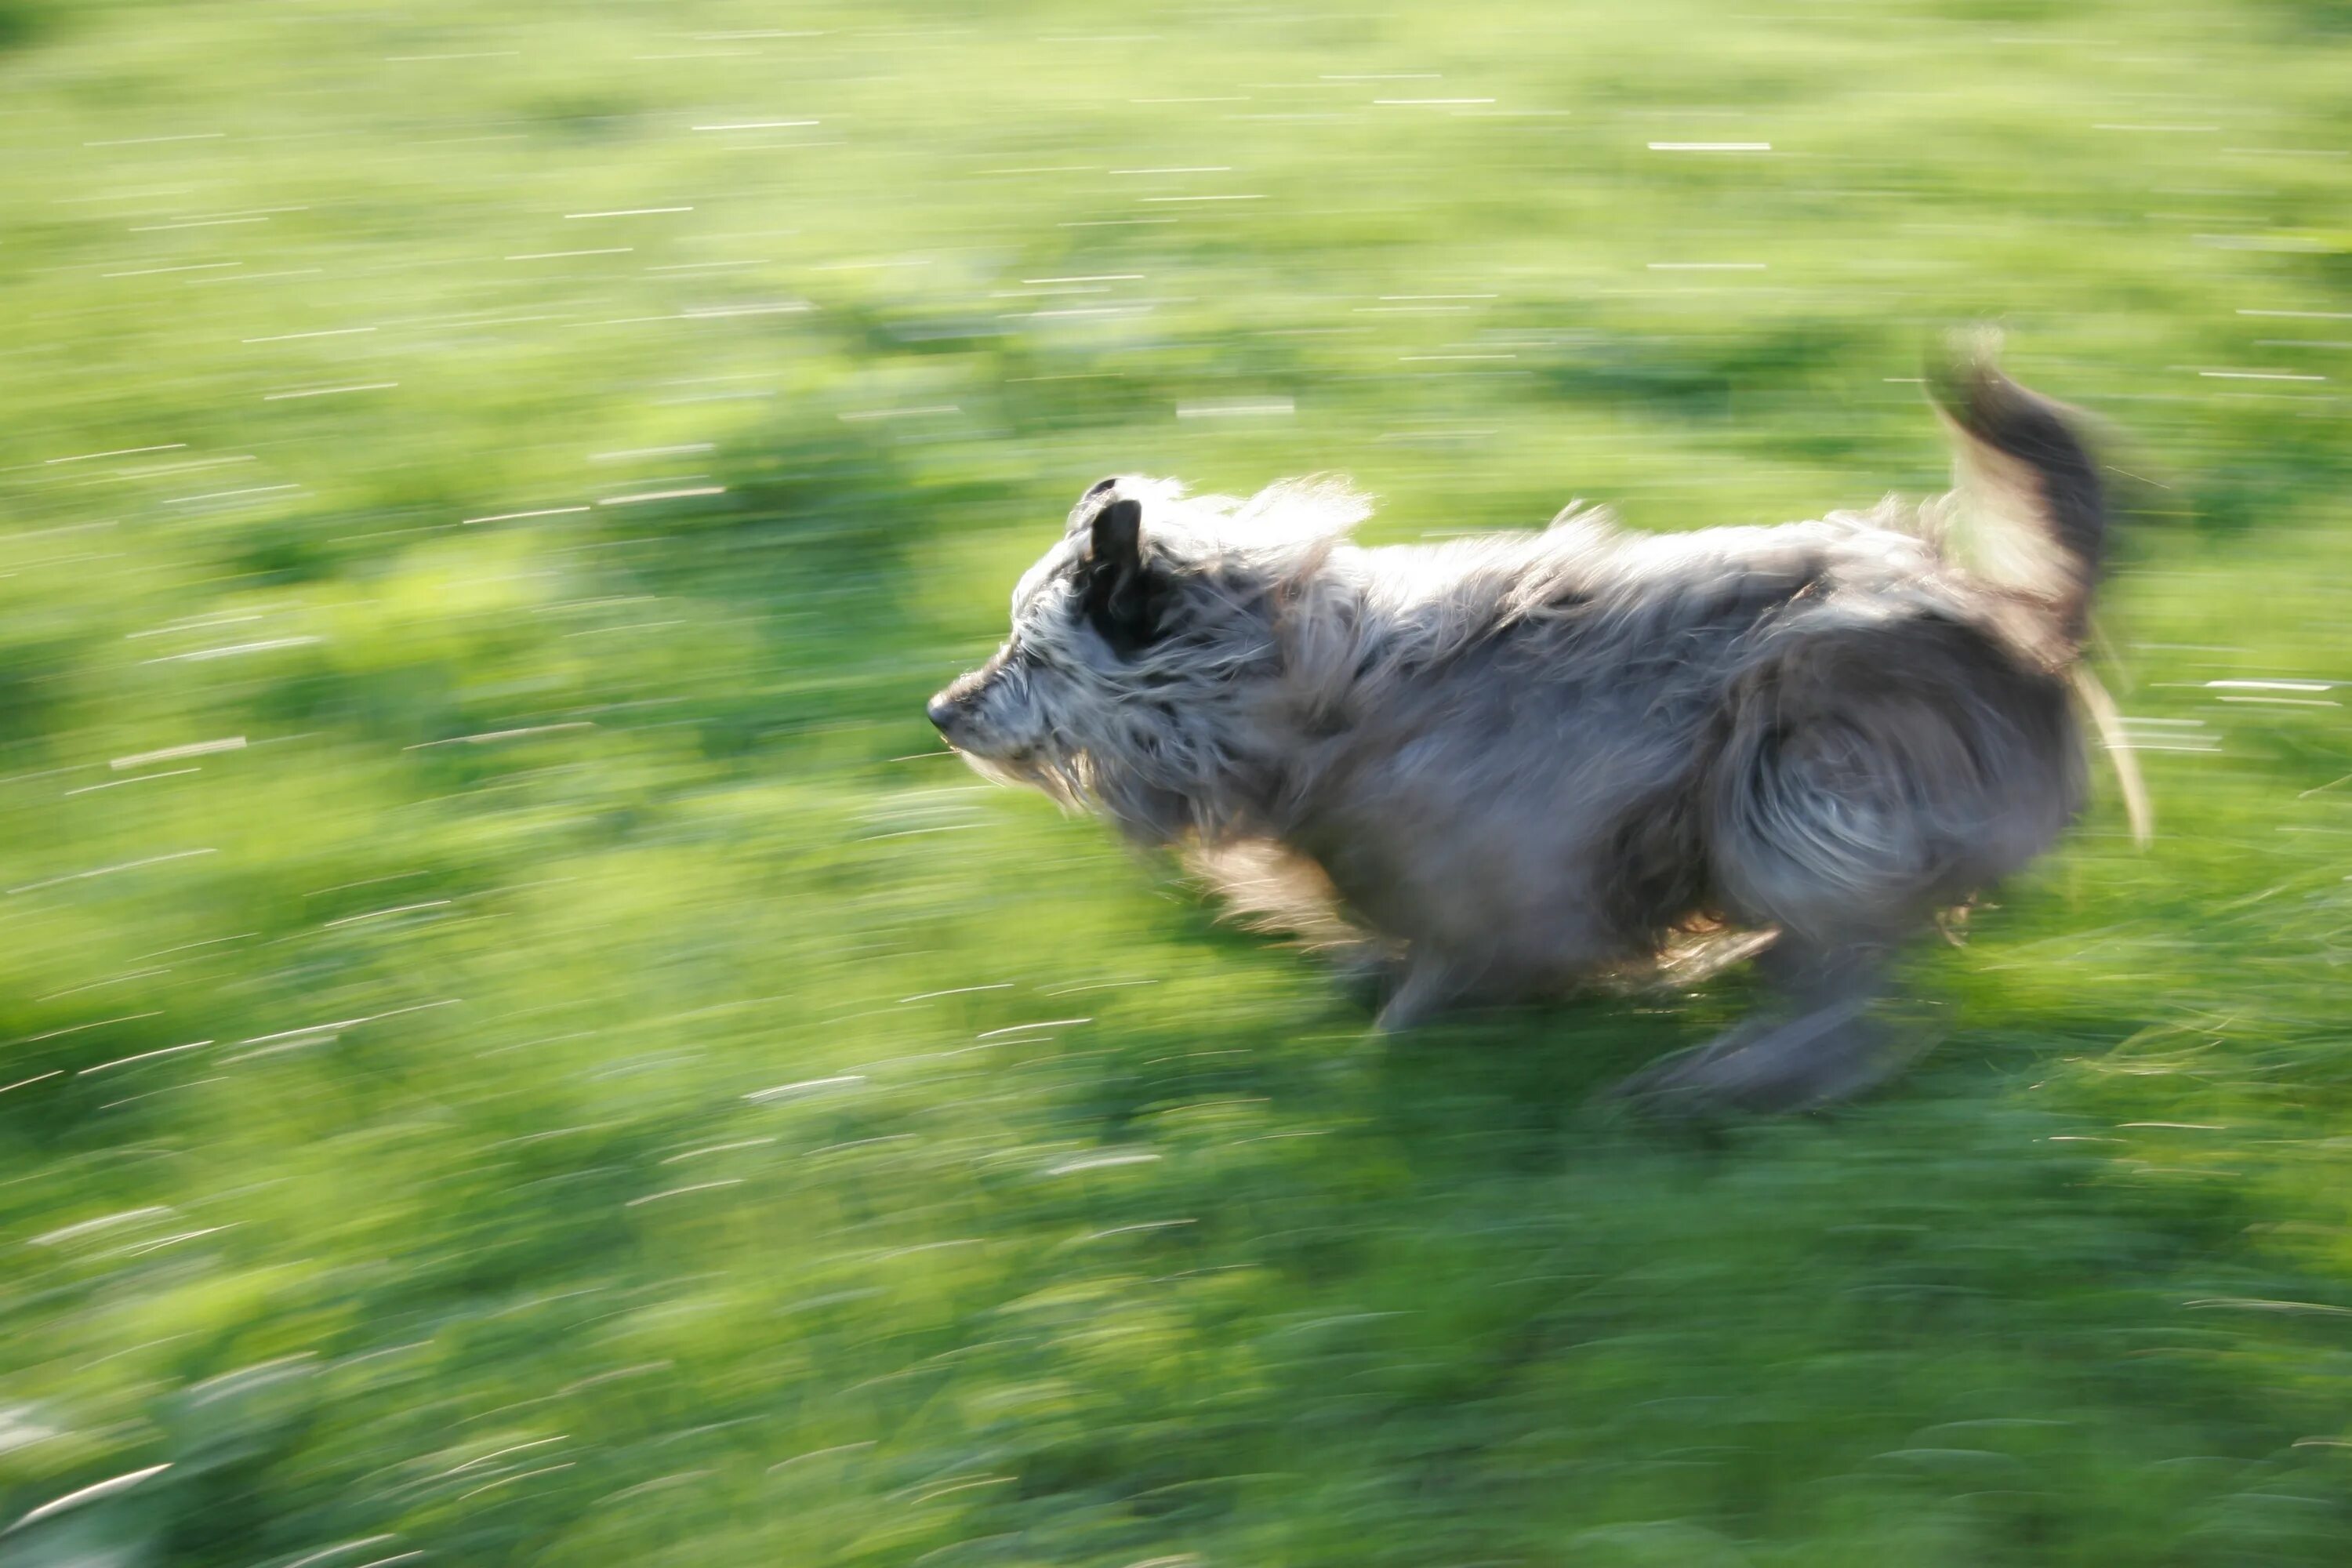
[1400, 1013]
[1759, 1067]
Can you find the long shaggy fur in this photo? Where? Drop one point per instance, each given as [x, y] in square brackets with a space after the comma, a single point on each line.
[1506, 764]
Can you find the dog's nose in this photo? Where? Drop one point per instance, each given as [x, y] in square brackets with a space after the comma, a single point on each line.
[941, 711]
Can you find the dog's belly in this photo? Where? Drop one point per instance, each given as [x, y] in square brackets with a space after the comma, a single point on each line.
[1502, 863]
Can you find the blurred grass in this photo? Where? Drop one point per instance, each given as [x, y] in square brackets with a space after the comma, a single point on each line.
[556, 1068]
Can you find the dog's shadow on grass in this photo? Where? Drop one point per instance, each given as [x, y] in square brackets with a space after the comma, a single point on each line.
[1529, 1088]
[1525, 1084]
[1530, 1085]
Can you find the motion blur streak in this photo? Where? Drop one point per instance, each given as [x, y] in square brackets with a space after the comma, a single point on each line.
[566, 443]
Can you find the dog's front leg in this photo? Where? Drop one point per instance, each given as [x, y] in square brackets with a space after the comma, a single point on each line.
[1432, 981]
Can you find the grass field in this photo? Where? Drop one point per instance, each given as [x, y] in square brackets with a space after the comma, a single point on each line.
[521, 1051]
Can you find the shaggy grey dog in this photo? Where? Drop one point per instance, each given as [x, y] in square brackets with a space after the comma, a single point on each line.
[1501, 766]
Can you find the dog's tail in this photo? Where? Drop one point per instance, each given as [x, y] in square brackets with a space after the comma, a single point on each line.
[2033, 514]
[2032, 519]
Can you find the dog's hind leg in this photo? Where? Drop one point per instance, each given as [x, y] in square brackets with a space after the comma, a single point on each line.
[1820, 1047]
[1874, 773]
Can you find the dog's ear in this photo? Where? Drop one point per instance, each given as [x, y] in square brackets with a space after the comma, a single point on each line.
[1116, 586]
[1114, 536]
[1094, 496]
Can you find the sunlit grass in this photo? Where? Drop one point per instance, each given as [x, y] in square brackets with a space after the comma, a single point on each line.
[522, 1049]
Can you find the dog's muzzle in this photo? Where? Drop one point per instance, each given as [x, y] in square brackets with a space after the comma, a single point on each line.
[951, 709]
[944, 713]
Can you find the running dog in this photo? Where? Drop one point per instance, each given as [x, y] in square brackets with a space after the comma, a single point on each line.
[1504, 765]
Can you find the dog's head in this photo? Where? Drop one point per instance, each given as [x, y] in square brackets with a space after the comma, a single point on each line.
[1082, 616]
[1140, 644]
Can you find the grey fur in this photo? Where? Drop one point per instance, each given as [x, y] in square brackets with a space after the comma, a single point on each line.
[1508, 765]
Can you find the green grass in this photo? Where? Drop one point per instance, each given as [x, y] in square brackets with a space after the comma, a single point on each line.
[584, 1082]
